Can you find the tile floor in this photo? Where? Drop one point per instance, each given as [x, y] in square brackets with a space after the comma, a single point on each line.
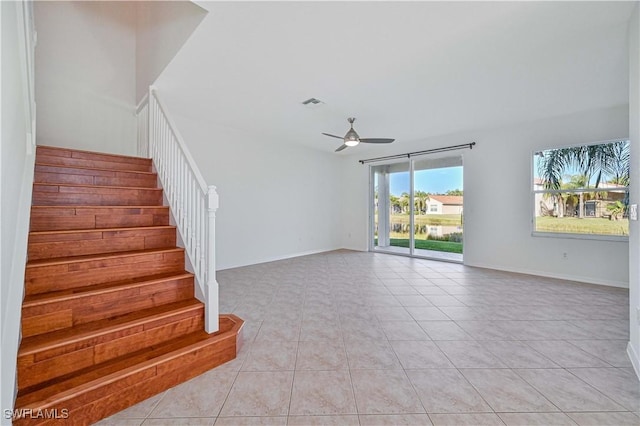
[348, 338]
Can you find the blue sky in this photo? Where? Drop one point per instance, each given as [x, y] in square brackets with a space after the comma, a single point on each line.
[434, 181]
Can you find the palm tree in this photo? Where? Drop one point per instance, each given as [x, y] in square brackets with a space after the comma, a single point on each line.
[395, 203]
[609, 159]
[404, 202]
[576, 182]
[617, 210]
[420, 201]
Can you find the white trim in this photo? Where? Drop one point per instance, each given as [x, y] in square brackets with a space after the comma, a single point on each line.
[635, 360]
[577, 236]
[284, 257]
[183, 146]
[546, 274]
[143, 103]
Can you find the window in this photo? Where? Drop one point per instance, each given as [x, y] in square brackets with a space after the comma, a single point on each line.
[433, 208]
[582, 190]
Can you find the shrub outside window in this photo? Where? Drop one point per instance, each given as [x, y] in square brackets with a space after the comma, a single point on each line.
[582, 191]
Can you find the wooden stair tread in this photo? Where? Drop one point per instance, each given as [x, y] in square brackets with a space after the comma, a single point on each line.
[67, 386]
[63, 337]
[89, 230]
[79, 292]
[73, 185]
[93, 257]
[82, 154]
[61, 166]
[85, 207]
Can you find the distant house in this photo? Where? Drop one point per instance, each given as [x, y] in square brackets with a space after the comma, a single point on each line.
[444, 204]
[607, 193]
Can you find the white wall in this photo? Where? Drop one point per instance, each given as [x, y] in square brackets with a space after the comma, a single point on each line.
[16, 178]
[161, 30]
[499, 167]
[634, 196]
[277, 200]
[86, 75]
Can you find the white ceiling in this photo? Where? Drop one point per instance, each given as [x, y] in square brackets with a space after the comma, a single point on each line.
[407, 70]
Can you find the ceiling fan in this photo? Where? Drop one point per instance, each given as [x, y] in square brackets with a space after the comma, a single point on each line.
[352, 138]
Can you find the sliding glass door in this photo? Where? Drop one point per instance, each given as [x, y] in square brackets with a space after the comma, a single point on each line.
[392, 208]
[417, 207]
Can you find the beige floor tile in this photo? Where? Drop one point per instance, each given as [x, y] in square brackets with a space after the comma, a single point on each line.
[251, 421]
[431, 290]
[443, 301]
[604, 329]
[474, 419]
[420, 354]
[518, 355]
[413, 300]
[619, 384]
[259, 394]
[397, 313]
[568, 392]
[395, 420]
[338, 314]
[463, 313]
[536, 419]
[199, 397]
[485, 330]
[372, 354]
[337, 420]
[403, 330]
[270, 331]
[446, 391]
[384, 392]
[322, 393]
[115, 421]
[605, 419]
[444, 330]
[612, 351]
[321, 356]
[320, 330]
[402, 290]
[271, 356]
[141, 410]
[505, 391]
[469, 354]
[420, 313]
[184, 421]
[565, 354]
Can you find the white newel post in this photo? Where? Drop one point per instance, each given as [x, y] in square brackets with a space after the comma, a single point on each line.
[211, 309]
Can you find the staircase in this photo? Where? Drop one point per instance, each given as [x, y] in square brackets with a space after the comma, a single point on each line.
[109, 316]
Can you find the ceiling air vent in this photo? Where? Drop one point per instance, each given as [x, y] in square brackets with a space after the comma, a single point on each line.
[312, 103]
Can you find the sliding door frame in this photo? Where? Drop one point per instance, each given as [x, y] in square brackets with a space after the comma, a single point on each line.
[372, 208]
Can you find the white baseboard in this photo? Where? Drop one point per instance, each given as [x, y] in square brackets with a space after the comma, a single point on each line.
[268, 259]
[568, 277]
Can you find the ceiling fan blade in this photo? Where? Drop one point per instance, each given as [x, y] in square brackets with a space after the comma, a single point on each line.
[343, 146]
[376, 140]
[333, 136]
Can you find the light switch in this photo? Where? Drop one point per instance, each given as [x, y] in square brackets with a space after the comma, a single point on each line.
[633, 212]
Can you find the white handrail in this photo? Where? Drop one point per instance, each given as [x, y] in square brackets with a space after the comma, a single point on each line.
[193, 203]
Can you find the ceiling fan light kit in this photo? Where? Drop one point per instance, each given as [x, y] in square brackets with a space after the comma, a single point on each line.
[352, 138]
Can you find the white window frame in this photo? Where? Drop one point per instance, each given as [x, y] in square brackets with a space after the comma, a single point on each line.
[534, 192]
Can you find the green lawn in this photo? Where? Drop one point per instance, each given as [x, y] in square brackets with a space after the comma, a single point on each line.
[574, 225]
[427, 245]
[429, 219]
